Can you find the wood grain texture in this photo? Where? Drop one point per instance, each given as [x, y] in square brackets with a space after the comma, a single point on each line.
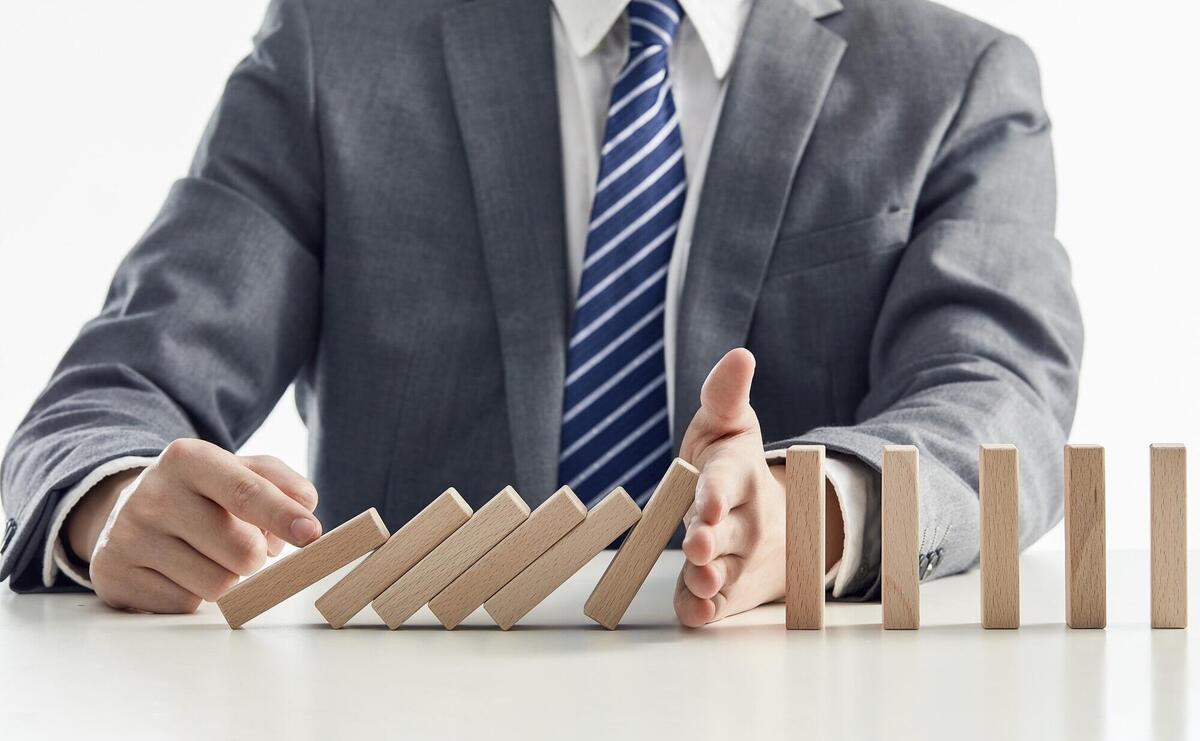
[548, 523]
[1168, 536]
[303, 568]
[1083, 478]
[900, 587]
[805, 533]
[637, 555]
[393, 559]
[615, 514]
[487, 527]
[999, 538]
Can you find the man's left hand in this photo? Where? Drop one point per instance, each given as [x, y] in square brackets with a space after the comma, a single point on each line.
[735, 530]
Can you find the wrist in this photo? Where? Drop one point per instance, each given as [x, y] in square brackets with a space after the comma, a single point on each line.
[86, 520]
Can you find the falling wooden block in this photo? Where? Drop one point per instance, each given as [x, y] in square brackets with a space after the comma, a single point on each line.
[465, 546]
[628, 569]
[900, 595]
[393, 559]
[1084, 519]
[999, 538]
[549, 522]
[1168, 536]
[615, 514]
[303, 568]
[805, 532]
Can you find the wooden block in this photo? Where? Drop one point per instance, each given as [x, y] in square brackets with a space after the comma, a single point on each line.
[805, 528]
[465, 546]
[548, 523]
[628, 569]
[1084, 519]
[401, 552]
[615, 514]
[999, 538]
[1168, 536]
[303, 568]
[900, 596]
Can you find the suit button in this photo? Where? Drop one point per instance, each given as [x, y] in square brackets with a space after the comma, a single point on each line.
[10, 529]
[928, 562]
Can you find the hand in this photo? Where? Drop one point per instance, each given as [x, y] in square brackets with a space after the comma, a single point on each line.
[735, 530]
[187, 526]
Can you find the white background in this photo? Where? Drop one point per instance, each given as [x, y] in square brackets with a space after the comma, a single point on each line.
[101, 105]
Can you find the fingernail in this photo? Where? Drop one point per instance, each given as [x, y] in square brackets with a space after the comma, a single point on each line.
[305, 529]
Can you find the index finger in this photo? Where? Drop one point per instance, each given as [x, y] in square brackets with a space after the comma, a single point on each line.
[250, 497]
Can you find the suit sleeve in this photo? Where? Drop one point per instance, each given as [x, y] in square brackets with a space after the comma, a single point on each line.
[208, 318]
[980, 338]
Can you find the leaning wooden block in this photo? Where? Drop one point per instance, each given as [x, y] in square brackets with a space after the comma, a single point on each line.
[805, 537]
[1168, 536]
[1084, 519]
[615, 514]
[549, 522]
[485, 529]
[900, 594]
[401, 552]
[999, 539]
[303, 568]
[629, 568]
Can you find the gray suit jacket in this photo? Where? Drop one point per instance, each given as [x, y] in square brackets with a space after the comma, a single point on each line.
[375, 214]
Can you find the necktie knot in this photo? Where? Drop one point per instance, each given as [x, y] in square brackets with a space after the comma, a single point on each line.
[653, 22]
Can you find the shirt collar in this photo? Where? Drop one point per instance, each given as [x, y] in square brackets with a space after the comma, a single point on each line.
[717, 22]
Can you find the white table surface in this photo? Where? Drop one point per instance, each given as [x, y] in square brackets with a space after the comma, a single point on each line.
[70, 666]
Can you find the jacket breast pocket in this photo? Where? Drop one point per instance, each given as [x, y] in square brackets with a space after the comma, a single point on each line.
[840, 243]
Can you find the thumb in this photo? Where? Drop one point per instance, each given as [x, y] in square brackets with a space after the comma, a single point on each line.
[724, 405]
[726, 392]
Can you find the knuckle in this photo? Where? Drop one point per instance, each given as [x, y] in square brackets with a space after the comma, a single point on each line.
[226, 582]
[181, 450]
[307, 496]
[245, 491]
[249, 552]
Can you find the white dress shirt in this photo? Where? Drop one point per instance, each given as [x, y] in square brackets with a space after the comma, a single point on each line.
[591, 44]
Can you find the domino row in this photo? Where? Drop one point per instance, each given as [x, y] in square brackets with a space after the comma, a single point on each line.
[503, 557]
[999, 544]
[507, 559]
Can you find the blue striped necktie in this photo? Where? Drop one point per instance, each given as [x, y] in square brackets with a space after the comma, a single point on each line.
[615, 429]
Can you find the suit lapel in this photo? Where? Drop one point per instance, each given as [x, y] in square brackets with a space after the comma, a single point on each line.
[500, 63]
[784, 66]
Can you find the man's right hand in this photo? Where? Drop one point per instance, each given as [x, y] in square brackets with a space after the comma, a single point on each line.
[183, 529]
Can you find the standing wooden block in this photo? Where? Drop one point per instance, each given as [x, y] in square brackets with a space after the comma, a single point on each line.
[303, 568]
[805, 529]
[1168, 536]
[999, 538]
[629, 568]
[404, 549]
[465, 546]
[549, 522]
[900, 596]
[615, 514]
[1084, 519]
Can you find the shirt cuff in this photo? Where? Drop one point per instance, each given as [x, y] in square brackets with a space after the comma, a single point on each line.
[851, 479]
[54, 558]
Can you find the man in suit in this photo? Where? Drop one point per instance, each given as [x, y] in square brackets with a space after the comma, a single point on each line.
[524, 241]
